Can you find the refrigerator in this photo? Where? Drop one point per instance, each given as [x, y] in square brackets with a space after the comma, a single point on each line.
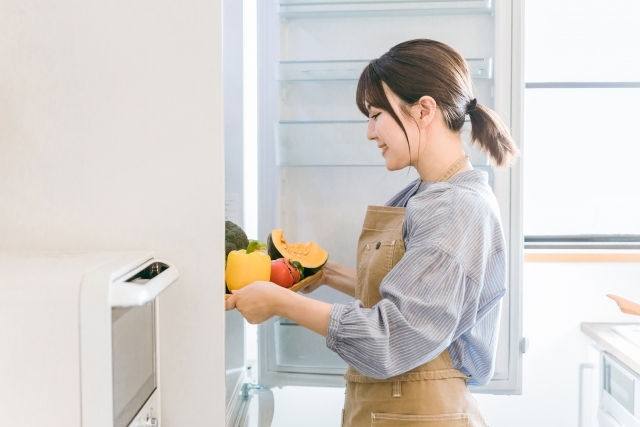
[317, 172]
[111, 139]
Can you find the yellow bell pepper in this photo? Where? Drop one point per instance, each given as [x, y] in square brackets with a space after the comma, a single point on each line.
[247, 266]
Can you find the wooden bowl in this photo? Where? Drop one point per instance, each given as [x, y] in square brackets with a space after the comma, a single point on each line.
[626, 305]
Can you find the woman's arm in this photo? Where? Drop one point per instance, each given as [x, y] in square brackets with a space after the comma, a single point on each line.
[260, 301]
[307, 312]
[428, 302]
[337, 276]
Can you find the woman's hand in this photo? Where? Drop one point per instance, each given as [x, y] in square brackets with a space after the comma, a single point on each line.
[315, 284]
[337, 276]
[258, 301]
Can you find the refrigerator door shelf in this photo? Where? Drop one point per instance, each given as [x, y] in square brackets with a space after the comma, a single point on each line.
[314, 8]
[480, 68]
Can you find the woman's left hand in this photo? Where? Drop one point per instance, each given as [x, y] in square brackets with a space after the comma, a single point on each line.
[258, 301]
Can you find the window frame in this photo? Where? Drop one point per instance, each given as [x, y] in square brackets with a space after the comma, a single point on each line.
[582, 241]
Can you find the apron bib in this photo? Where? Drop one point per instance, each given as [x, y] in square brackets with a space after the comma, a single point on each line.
[434, 394]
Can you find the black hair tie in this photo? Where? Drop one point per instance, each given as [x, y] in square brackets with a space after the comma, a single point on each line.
[472, 105]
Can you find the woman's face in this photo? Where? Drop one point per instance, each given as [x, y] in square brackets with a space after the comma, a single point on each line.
[389, 136]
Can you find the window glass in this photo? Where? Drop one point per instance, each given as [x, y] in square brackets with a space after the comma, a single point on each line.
[582, 41]
[581, 171]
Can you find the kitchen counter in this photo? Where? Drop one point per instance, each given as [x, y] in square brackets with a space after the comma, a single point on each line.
[611, 342]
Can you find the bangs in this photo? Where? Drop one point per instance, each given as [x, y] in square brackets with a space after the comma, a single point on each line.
[370, 91]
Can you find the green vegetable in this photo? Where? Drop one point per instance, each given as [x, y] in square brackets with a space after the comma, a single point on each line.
[255, 245]
[235, 238]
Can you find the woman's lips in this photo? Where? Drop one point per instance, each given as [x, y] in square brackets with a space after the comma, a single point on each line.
[384, 149]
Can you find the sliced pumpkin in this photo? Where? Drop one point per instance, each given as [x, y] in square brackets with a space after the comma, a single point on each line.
[310, 255]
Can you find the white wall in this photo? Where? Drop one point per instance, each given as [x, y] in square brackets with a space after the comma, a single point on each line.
[111, 138]
[557, 298]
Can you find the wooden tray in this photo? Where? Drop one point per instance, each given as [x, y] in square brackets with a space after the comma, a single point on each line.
[305, 282]
[626, 305]
[300, 285]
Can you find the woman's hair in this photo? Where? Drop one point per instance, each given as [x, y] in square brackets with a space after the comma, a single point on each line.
[422, 67]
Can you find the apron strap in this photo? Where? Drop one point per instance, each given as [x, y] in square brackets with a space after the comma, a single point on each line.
[455, 167]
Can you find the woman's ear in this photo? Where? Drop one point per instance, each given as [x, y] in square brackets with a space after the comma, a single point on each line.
[426, 107]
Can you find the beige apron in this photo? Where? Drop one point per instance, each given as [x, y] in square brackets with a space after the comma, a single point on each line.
[431, 395]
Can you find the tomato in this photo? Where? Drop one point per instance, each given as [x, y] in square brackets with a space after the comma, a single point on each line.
[283, 273]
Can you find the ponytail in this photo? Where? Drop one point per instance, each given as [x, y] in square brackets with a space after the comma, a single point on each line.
[490, 133]
[427, 67]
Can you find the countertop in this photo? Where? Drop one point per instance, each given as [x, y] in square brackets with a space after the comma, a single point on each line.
[625, 351]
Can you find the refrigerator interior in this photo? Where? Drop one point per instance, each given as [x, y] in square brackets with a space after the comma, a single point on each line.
[318, 172]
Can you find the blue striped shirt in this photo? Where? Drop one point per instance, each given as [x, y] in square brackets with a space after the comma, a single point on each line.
[444, 293]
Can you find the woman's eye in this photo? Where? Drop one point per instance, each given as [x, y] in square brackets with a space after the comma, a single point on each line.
[375, 116]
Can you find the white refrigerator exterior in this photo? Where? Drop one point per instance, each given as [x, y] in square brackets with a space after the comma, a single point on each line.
[318, 172]
[111, 139]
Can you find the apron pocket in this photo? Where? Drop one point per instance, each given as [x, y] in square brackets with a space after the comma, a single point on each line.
[402, 420]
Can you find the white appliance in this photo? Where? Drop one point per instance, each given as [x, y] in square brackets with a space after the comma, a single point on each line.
[619, 394]
[79, 339]
[317, 170]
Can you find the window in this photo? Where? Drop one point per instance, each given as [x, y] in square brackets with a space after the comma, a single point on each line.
[581, 113]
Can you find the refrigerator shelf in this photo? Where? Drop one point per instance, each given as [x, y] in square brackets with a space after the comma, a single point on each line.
[333, 8]
[344, 143]
[325, 143]
[480, 68]
[320, 70]
[298, 351]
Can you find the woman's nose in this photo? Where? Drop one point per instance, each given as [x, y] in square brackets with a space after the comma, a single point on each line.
[371, 130]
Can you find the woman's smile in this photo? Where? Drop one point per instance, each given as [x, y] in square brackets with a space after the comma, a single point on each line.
[384, 149]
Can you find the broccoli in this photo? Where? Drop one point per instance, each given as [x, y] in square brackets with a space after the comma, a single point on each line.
[235, 238]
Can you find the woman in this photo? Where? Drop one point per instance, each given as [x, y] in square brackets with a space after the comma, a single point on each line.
[431, 264]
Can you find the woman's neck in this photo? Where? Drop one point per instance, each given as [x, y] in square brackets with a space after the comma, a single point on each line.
[439, 155]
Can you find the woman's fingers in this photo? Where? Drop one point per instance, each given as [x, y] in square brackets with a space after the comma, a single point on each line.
[312, 286]
[320, 279]
[257, 301]
[230, 303]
